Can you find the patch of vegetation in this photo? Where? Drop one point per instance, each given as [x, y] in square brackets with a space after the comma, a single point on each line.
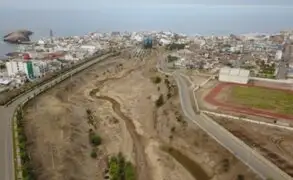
[240, 177]
[120, 169]
[90, 118]
[226, 165]
[95, 139]
[94, 154]
[160, 101]
[27, 167]
[169, 95]
[175, 46]
[267, 68]
[2, 66]
[263, 98]
[156, 79]
[88, 111]
[173, 129]
[172, 58]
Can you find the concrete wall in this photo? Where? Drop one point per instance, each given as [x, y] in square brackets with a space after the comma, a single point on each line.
[233, 79]
[286, 81]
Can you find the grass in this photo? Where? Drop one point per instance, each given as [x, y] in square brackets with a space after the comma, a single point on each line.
[262, 98]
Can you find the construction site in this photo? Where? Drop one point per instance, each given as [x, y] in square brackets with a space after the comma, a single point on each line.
[135, 111]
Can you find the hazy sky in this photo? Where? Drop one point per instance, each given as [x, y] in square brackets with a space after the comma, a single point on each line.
[96, 4]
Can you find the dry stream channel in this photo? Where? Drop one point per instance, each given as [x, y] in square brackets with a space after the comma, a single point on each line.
[139, 148]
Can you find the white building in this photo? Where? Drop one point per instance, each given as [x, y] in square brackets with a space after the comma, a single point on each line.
[278, 55]
[234, 75]
[15, 67]
[180, 62]
[88, 48]
[70, 57]
[164, 41]
[20, 67]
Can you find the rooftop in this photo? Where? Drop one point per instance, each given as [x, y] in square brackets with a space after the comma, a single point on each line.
[234, 71]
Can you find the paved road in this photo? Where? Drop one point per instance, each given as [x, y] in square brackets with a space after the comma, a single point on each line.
[243, 152]
[6, 113]
[282, 68]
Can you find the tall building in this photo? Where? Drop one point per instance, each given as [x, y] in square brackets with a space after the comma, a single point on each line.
[15, 67]
[51, 35]
[31, 69]
[278, 55]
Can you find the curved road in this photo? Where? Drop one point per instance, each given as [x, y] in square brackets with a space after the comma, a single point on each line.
[6, 114]
[247, 155]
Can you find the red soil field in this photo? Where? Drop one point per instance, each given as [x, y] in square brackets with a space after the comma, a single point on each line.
[211, 98]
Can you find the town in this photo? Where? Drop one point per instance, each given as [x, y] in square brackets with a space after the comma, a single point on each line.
[150, 106]
[265, 56]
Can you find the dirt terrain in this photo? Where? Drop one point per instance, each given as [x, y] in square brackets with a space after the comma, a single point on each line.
[273, 143]
[122, 95]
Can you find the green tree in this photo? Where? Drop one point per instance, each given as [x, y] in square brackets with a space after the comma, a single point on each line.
[114, 168]
[129, 171]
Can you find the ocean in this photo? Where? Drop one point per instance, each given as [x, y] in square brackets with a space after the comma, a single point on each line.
[205, 20]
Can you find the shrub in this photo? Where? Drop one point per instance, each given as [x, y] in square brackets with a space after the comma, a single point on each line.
[160, 101]
[119, 169]
[174, 46]
[156, 79]
[114, 168]
[96, 140]
[129, 171]
[88, 111]
[94, 154]
[172, 58]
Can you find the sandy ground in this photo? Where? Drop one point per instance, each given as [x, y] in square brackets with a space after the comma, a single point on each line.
[277, 142]
[122, 97]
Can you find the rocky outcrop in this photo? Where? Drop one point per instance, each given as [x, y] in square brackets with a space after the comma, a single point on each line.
[18, 37]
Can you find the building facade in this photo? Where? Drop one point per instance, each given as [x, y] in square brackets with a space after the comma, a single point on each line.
[30, 68]
[15, 67]
[278, 55]
[234, 75]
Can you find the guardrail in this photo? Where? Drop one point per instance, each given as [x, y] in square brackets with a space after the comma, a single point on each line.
[18, 169]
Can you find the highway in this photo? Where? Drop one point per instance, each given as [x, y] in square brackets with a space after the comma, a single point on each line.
[264, 168]
[6, 141]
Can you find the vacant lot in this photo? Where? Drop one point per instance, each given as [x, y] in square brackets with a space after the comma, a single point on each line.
[273, 143]
[121, 96]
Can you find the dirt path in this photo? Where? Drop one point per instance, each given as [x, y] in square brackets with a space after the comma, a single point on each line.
[140, 156]
[139, 148]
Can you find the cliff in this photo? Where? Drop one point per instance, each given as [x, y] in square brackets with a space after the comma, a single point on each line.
[20, 36]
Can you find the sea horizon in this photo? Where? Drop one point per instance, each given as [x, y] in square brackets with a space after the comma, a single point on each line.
[190, 20]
